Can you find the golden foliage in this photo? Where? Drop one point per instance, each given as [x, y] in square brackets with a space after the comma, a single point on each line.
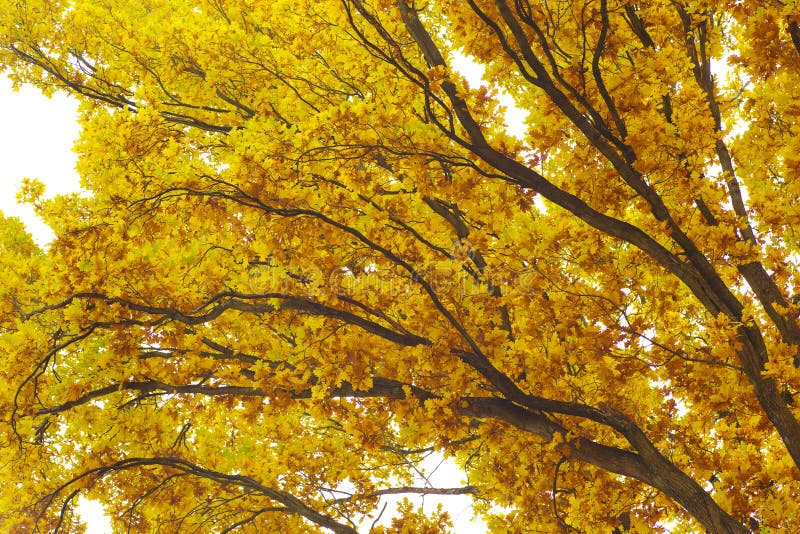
[312, 254]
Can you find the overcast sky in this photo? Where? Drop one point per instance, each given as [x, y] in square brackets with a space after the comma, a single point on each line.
[36, 142]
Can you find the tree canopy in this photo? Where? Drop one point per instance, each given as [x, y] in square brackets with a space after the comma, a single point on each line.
[309, 254]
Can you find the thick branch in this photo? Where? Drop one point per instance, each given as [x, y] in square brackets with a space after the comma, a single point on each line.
[249, 303]
[293, 504]
[648, 465]
[381, 387]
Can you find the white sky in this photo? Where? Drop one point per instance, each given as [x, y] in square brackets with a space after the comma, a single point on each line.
[514, 117]
[36, 142]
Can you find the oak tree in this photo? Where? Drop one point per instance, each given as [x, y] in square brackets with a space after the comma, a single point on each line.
[309, 253]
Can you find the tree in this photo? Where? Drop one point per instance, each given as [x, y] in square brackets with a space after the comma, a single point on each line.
[310, 254]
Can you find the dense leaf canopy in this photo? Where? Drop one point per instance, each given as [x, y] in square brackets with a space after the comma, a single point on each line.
[310, 254]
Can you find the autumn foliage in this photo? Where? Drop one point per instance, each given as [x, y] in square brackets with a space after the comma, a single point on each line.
[310, 254]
